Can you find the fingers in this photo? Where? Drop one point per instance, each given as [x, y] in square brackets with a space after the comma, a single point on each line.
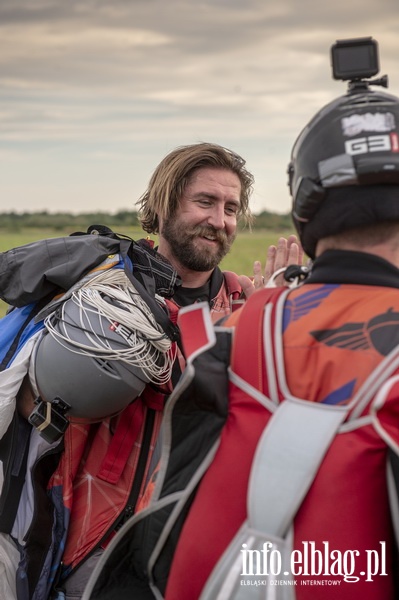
[293, 254]
[247, 285]
[287, 252]
[281, 254]
[294, 251]
[270, 262]
[259, 278]
[277, 257]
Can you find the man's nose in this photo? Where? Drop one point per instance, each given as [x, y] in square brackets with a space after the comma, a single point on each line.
[217, 217]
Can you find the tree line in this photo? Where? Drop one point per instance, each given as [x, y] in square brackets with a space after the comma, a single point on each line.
[61, 221]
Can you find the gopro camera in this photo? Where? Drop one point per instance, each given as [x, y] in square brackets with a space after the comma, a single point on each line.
[355, 59]
[49, 418]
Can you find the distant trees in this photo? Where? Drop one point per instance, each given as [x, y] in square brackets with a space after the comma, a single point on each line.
[64, 221]
[273, 221]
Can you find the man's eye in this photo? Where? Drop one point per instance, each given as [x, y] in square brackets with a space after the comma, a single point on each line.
[231, 210]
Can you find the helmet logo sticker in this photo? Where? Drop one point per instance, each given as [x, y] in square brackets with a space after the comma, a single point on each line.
[123, 331]
[373, 143]
[356, 124]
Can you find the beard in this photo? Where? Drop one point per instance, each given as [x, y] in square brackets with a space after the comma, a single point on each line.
[183, 244]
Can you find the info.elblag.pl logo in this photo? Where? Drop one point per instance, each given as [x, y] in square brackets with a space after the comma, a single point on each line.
[310, 561]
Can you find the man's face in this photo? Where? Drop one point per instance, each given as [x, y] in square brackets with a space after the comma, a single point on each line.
[200, 232]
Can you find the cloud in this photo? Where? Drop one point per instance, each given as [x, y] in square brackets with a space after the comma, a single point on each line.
[87, 79]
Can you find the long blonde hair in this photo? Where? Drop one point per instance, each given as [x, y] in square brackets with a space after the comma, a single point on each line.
[172, 175]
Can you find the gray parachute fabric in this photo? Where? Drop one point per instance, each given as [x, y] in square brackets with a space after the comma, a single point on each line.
[31, 272]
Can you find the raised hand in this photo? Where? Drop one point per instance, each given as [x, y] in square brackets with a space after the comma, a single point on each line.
[287, 252]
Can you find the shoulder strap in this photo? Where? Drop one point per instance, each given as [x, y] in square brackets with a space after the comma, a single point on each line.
[232, 283]
[288, 456]
[248, 336]
[234, 289]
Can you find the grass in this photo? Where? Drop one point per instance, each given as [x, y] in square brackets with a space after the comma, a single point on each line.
[248, 246]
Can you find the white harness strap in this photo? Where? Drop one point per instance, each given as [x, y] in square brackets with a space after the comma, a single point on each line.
[286, 460]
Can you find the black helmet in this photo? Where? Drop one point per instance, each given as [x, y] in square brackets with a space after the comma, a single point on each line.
[344, 169]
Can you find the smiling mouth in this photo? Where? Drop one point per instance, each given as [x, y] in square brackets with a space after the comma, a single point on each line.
[210, 239]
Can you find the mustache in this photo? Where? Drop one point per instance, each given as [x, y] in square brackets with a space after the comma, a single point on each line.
[207, 230]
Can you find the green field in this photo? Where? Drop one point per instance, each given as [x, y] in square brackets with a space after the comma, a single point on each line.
[248, 246]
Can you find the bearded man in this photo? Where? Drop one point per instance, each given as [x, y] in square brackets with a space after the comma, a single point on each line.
[194, 200]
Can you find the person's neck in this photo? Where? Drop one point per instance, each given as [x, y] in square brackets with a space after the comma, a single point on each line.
[189, 278]
[389, 252]
[193, 279]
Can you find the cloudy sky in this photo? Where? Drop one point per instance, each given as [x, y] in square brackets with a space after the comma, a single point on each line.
[94, 93]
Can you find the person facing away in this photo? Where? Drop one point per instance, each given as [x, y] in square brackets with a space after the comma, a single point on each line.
[301, 498]
[194, 200]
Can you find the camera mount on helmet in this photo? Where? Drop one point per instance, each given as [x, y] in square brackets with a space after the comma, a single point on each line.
[356, 60]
